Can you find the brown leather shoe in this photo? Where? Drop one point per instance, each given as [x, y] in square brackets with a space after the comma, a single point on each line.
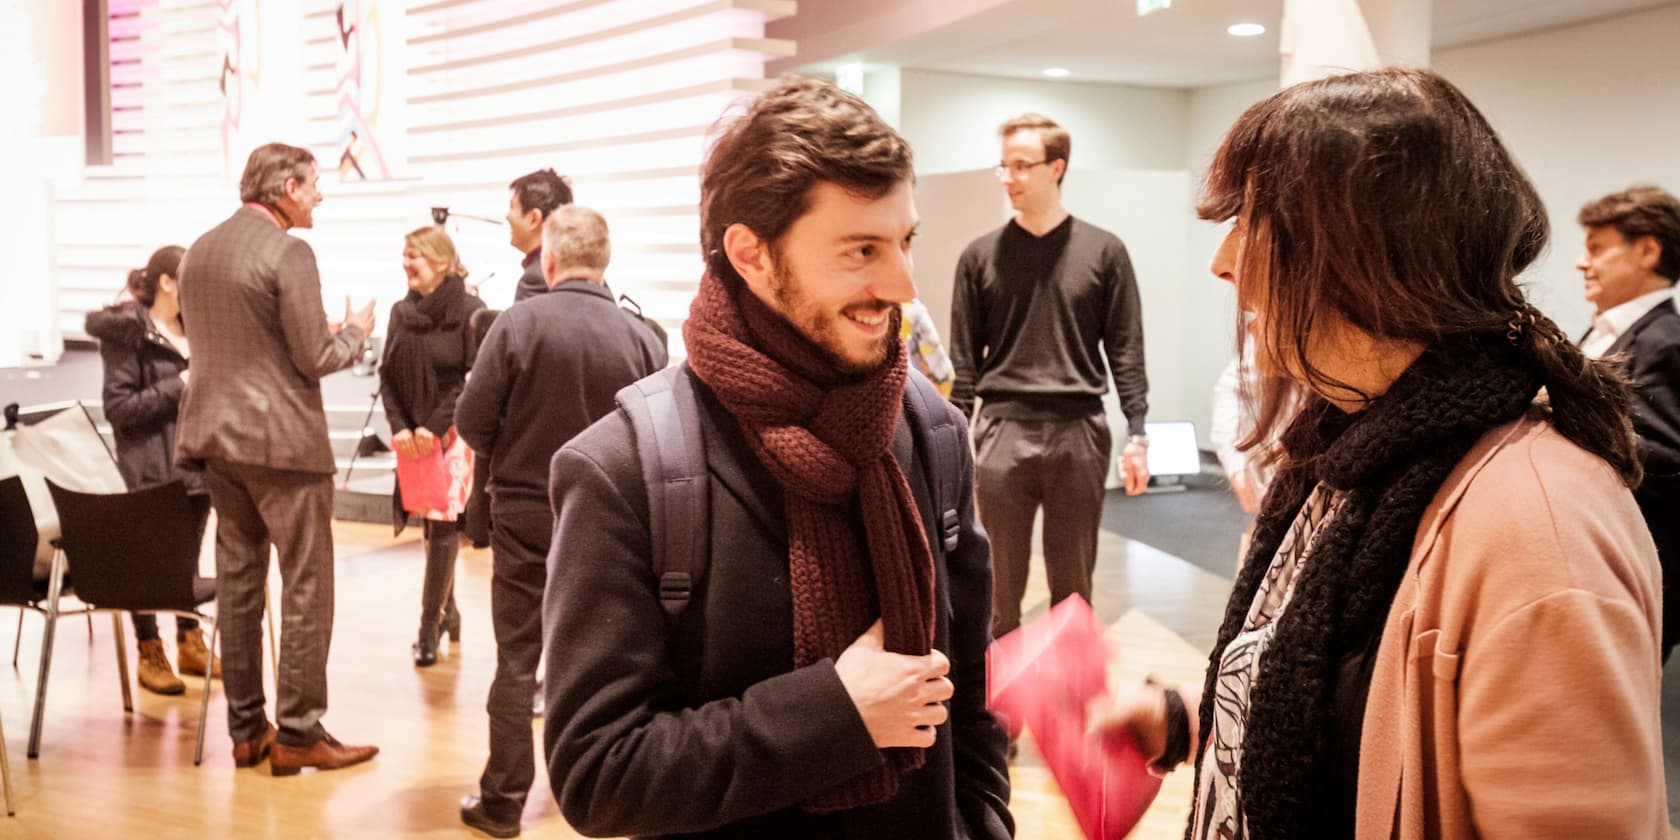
[251, 753]
[325, 754]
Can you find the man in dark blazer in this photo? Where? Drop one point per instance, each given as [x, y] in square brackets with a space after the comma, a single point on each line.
[252, 420]
[1630, 264]
[531, 198]
[801, 692]
[547, 369]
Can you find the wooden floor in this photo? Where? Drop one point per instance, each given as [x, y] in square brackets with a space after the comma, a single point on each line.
[104, 772]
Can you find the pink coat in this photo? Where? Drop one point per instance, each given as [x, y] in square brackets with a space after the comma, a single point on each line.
[1515, 692]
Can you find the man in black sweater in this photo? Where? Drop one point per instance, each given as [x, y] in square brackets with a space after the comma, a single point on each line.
[548, 369]
[1036, 304]
[531, 198]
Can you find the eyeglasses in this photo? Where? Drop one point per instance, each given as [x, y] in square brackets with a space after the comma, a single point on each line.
[1016, 169]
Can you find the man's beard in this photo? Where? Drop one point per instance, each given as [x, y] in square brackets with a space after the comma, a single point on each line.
[820, 329]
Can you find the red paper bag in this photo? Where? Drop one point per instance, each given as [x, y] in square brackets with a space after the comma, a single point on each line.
[1043, 674]
[424, 481]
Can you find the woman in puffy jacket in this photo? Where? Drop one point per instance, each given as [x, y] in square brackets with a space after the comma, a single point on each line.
[143, 344]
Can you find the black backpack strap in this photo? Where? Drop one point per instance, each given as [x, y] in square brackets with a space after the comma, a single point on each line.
[630, 307]
[665, 416]
[941, 441]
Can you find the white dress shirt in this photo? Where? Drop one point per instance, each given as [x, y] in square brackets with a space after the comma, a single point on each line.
[1609, 325]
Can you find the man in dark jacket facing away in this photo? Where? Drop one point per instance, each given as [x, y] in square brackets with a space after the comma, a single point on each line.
[547, 369]
[828, 678]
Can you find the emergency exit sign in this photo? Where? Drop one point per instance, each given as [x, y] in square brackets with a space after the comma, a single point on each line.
[1147, 6]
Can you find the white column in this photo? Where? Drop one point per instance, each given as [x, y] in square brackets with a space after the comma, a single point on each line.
[1324, 37]
[1400, 29]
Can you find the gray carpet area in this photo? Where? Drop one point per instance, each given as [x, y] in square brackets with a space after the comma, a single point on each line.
[1200, 526]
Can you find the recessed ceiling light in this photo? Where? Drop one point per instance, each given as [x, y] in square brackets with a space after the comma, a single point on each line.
[1246, 30]
[1057, 72]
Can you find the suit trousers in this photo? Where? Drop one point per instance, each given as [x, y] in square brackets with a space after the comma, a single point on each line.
[257, 507]
[1021, 465]
[519, 544]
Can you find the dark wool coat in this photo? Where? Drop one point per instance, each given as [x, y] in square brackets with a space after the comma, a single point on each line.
[706, 729]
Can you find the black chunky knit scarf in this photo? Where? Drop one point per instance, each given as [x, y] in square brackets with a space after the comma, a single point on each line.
[1391, 459]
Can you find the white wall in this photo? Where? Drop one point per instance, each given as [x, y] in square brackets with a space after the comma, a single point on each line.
[955, 208]
[1210, 302]
[1586, 110]
[952, 119]
[1144, 209]
[627, 120]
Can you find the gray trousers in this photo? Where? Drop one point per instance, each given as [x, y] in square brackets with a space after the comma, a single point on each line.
[257, 507]
[519, 549]
[1021, 465]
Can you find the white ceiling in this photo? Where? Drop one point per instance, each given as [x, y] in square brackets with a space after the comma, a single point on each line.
[1184, 46]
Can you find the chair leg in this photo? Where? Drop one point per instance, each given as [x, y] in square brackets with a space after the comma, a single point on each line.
[204, 702]
[122, 662]
[17, 643]
[273, 645]
[90, 627]
[6, 770]
[54, 586]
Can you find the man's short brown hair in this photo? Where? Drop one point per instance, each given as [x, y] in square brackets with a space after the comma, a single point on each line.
[1058, 144]
[268, 169]
[1641, 210]
[802, 132]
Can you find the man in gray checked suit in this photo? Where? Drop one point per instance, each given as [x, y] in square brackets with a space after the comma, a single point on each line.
[252, 420]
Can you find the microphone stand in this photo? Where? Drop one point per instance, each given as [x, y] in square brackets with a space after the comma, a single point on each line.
[369, 442]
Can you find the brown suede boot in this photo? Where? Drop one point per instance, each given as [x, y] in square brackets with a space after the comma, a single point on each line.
[155, 674]
[194, 655]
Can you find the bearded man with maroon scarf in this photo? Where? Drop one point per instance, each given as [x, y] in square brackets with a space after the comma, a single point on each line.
[829, 677]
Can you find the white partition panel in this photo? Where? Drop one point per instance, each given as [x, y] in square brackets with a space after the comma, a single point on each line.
[616, 94]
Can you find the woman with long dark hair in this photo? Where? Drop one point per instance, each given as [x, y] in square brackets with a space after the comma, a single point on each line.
[429, 349]
[1447, 625]
[143, 344]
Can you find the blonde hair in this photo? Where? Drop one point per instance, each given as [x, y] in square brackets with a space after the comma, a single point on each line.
[436, 246]
[578, 238]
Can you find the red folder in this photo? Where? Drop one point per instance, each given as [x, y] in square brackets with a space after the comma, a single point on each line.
[424, 481]
[1043, 674]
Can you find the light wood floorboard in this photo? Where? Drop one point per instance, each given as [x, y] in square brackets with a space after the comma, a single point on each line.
[104, 773]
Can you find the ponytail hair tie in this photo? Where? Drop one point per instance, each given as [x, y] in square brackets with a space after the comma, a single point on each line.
[1522, 320]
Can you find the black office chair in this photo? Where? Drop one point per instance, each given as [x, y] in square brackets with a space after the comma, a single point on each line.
[130, 552]
[17, 585]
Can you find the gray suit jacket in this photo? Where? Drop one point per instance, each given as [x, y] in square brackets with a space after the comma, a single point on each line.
[251, 300]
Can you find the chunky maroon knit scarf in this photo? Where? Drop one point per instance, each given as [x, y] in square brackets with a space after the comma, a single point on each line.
[827, 438]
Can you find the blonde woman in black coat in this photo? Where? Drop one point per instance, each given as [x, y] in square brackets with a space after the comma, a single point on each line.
[143, 344]
[428, 350]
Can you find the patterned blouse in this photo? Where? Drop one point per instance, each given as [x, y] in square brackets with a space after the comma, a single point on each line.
[1218, 809]
[927, 354]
